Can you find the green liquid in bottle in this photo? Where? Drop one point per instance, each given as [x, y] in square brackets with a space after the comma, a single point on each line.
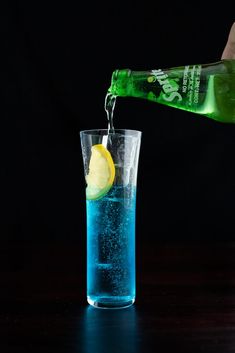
[208, 89]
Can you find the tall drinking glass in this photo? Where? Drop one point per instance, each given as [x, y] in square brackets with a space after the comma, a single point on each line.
[111, 165]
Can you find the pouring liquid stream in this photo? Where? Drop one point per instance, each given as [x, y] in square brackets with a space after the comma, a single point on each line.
[110, 101]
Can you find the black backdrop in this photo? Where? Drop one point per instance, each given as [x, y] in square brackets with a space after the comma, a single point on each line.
[57, 64]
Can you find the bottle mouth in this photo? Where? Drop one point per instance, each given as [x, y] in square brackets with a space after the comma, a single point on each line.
[121, 74]
[115, 75]
[119, 81]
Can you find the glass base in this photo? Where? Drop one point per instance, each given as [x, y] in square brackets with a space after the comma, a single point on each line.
[110, 303]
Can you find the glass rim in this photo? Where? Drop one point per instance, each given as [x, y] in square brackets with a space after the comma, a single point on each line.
[94, 131]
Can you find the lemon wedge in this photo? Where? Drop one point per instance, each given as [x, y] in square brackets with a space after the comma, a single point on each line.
[101, 172]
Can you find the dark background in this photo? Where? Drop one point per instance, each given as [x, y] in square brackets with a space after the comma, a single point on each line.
[56, 65]
[56, 69]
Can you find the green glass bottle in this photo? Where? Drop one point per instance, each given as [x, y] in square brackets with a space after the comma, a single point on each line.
[207, 89]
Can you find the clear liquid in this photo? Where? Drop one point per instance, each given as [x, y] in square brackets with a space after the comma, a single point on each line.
[109, 105]
[111, 248]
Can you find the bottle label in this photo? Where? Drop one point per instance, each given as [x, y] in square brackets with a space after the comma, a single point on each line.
[178, 85]
[191, 83]
[169, 87]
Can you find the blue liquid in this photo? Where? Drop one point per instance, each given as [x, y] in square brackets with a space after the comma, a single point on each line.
[111, 248]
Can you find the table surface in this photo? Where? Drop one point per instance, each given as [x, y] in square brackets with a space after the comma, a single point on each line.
[185, 301]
